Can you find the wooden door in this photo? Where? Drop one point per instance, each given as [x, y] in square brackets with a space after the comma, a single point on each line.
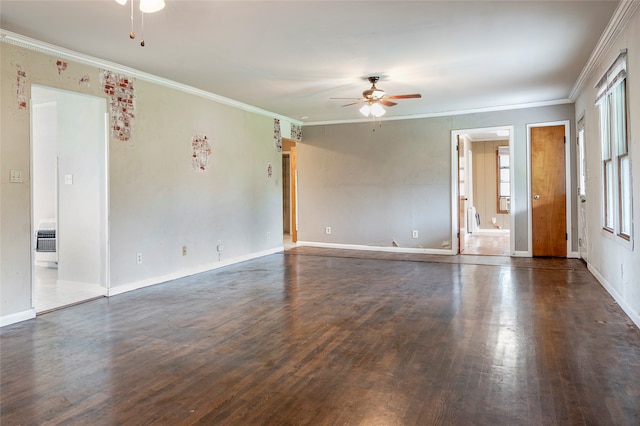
[462, 193]
[293, 164]
[548, 191]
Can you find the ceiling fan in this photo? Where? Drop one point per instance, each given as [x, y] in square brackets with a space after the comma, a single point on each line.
[374, 98]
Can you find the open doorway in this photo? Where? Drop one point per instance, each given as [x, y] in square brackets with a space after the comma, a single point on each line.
[289, 193]
[484, 191]
[69, 198]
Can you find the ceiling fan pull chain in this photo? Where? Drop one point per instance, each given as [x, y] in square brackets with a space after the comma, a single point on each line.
[142, 29]
[132, 35]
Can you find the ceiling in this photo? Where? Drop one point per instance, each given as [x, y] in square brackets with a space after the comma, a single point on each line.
[291, 57]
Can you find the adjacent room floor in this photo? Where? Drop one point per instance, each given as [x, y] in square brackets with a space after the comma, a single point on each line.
[325, 337]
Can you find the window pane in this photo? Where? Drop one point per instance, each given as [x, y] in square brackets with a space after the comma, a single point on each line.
[604, 129]
[619, 118]
[608, 194]
[625, 196]
[504, 190]
[504, 175]
[503, 161]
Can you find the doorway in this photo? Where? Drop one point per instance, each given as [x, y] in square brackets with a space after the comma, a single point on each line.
[69, 198]
[289, 193]
[582, 193]
[483, 178]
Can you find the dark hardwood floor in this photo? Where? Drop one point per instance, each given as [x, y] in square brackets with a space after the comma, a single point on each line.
[324, 337]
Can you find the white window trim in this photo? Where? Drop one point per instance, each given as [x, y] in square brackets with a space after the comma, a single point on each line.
[614, 76]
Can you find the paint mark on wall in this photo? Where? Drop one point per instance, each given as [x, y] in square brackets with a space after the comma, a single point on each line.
[269, 170]
[277, 136]
[86, 80]
[296, 132]
[61, 66]
[122, 93]
[20, 94]
[201, 152]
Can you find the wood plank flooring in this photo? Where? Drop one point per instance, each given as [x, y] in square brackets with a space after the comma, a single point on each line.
[319, 337]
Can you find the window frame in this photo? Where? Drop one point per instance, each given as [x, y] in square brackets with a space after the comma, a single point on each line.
[613, 108]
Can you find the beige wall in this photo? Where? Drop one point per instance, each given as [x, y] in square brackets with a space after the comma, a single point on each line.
[374, 187]
[485, 188]
[158, 202]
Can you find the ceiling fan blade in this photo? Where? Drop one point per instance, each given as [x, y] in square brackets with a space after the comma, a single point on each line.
[387, 103]
[412, 96]
[344, 98]
[353, 103]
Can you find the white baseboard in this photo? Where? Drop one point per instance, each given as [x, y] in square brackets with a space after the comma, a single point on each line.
[17, 317]
[187, 272]
[377, 248]
[635, 316]
[521, 254]
[573, 255]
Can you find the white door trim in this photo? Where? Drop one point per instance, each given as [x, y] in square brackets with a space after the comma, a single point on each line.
[455, 184]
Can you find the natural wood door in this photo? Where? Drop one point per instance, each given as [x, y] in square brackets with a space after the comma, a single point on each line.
[462, 199]
[548, 204]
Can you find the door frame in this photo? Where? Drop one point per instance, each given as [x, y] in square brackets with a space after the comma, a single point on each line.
[105, 249]
[455, 184]
[568, 185]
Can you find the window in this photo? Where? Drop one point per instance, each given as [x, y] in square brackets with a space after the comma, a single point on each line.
[504, 181]
[616, 170]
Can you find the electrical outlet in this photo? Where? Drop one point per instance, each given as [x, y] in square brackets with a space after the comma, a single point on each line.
[219, 247]
[327, 230]
[139, 258]
[414, 234]
[184, 250]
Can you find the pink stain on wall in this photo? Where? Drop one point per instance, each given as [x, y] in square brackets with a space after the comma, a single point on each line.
[201, 152]
[85, 80]
[61, 66]
[122, 93]
[277, 136]
[20, 83]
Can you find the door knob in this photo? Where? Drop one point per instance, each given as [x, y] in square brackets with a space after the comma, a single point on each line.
[536, 197]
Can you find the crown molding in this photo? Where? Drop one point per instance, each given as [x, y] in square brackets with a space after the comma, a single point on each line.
[446, 113]
[50, 49]
[618, 22]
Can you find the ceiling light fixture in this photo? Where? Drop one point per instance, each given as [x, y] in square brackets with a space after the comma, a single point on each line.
[372, 108]
[146, 6]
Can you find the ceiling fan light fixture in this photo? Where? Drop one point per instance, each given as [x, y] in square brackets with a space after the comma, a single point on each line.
[377, 110]
[122, 2]
[151, 6]
[365, 110]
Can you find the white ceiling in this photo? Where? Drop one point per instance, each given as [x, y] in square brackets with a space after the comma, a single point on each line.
[291, 57]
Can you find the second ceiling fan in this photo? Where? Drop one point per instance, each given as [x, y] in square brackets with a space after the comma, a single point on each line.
[373, 98]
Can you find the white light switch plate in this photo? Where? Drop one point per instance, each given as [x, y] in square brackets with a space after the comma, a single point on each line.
[68, 179]
[16, 176]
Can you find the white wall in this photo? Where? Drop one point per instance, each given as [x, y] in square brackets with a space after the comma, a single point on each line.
[45, 135]
[615, 263]
[81, 155]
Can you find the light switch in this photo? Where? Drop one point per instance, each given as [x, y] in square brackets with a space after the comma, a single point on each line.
[16, 176]
[68, 179]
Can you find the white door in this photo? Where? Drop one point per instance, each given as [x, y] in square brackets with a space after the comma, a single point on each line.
[582, 194]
